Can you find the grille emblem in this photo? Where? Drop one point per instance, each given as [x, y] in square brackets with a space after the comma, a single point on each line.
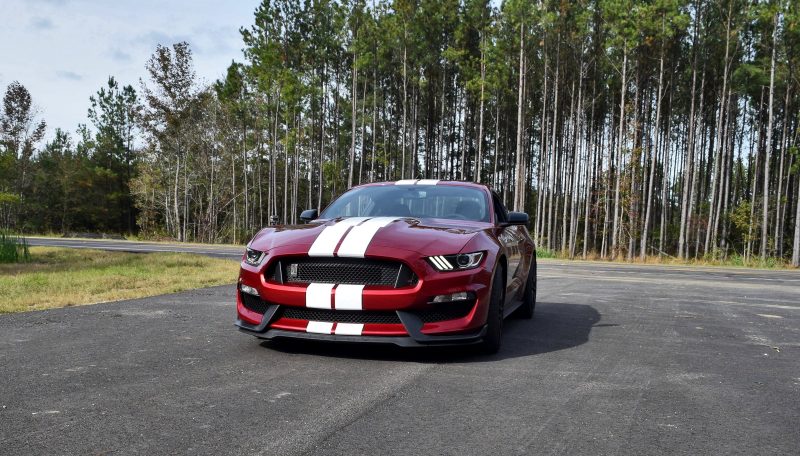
[293, 270]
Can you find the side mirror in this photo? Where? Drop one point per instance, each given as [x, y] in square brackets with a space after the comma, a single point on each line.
[308, 215]
[517, 218]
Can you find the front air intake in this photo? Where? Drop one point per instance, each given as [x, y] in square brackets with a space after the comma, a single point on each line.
[353, 271]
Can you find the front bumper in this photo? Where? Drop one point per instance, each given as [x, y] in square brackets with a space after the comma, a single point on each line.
[405, 306]
[415, 338]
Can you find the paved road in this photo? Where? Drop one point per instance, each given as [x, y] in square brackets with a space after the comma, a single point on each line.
[223, 251]
[619, 360]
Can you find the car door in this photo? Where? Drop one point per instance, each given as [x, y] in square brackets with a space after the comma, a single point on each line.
[510, 239]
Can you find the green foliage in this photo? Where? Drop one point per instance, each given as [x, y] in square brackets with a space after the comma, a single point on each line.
[13, 249]
[741, 222]
[545, 253]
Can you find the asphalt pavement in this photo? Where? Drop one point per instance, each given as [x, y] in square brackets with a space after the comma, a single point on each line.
[222, 251]
[619, 359]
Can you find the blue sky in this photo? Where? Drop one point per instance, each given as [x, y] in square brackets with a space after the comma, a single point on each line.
[64, 50]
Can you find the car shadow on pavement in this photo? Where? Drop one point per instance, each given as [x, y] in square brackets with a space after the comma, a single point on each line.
[555, 326]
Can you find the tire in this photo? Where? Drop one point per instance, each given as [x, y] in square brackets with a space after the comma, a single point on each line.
[494, 320]
[525, 311]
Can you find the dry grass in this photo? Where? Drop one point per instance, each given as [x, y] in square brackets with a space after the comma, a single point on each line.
[58, 277]
[735, 261]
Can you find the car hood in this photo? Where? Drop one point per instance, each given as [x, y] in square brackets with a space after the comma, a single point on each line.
[425, 236]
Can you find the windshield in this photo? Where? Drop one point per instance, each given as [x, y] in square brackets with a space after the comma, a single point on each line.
[418, 201]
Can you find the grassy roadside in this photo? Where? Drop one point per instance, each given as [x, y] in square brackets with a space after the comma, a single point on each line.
[59, 277]
[734, 261]
[137, 240]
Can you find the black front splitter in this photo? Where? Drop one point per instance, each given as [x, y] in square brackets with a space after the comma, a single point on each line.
[401, 341]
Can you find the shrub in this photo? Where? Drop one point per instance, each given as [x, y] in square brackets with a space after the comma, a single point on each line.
[545, 253]
[13, 249]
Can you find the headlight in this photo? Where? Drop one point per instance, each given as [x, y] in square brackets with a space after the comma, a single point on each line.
[457, 262]
[253, 257]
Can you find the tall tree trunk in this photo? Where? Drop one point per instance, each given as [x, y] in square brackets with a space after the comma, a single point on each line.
[479, 161]
[796, 243]
[653, 153]
[553, 154]
[496, 151]
[620, 142]
[354, 98]
[374, 118]
[233, 193]
[363, 132]
[405, 102]
[779, 194]
[665, 205]
[768, 150]
[520, 179]
[690, 149]
[245, 192]
[323, 105]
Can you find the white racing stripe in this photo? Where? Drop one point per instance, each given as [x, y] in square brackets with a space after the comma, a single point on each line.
[329, 238]
[348, 329]
[318, 295]
[348, 297]
[417, 182]
[319, 327]
[358, 239]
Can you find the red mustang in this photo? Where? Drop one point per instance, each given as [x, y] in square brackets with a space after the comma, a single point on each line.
[413, 262]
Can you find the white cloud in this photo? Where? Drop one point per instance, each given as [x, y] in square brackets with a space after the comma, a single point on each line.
[41, 23]
[69, 75]
[63, 51]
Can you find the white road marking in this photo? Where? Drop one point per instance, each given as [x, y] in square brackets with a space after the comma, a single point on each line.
[428, 182]
[318, 295]
[406, 182]
[348, 297]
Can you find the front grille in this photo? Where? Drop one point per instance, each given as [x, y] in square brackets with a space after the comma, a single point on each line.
[340, 316]
[355, 271]
[254, 303]
[440, 312]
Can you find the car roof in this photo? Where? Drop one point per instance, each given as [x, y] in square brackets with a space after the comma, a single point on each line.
[427, 182]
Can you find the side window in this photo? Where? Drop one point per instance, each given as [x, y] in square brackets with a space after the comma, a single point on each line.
[500, 213]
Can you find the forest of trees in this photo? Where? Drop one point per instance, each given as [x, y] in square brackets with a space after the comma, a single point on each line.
[625, 128]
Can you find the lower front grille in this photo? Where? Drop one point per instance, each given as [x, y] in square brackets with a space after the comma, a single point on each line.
[437, 313]
[340, 316]
[254, 303]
